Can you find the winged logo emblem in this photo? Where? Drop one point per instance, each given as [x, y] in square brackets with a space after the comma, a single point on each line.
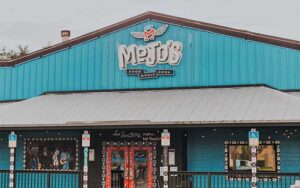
[150, 32]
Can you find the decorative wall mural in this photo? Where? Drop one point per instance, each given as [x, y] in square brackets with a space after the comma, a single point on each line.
[51, 154]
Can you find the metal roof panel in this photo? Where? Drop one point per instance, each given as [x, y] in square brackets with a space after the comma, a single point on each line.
[189, 106]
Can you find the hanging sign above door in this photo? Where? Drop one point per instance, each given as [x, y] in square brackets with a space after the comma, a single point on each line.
[151, 54]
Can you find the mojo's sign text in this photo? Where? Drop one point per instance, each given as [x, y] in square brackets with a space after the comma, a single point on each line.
[150, 55]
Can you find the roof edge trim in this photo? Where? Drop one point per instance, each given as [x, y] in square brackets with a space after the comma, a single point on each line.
[148, 124]
[268, 39]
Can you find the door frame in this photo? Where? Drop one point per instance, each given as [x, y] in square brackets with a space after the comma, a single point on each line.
[149, 150]
[109, 150]
[131, 147]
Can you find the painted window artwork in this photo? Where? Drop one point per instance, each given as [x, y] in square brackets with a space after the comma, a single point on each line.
[141, 168]
[117, 160]
[240, 158]
[51, 154]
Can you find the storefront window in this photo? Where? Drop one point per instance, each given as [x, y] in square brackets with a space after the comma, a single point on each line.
[51, 154]
[240, 158]
[141, 168]
[117, 160]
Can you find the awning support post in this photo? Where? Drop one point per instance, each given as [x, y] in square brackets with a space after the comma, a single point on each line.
[85, 144]
[253, 136]
[12, 144]
[165, 143]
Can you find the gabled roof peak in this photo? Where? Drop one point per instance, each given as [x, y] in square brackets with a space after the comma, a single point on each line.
[150, 15]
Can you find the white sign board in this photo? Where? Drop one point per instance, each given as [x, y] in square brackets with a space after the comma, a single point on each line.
[165, 139]
[173, 168]
[150, 55]
[86, 138]
[91, 155]
[12, 140]
[161, 171]
[253, 138]
[171, 156]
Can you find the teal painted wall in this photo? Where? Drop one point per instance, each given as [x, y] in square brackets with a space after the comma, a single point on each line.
[209, 59]
[207, 153]
[40, 180]
[4, 151]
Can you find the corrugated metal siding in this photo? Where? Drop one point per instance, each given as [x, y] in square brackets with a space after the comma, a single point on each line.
[207, 154]
[209, 59]
[4, 149]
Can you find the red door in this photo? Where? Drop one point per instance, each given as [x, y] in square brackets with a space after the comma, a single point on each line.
[117, 167]
[129, 167]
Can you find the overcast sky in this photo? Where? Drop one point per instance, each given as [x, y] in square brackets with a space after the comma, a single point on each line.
[37, 22]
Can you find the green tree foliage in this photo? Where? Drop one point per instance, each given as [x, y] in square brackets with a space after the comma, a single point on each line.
[6, 54]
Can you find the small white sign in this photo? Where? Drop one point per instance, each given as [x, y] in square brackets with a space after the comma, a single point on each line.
[165, 138]
[12, 140]
[171, 156]
[161, 171]
[253, 136]
[91, 155]
[173, 169]
[86, 138]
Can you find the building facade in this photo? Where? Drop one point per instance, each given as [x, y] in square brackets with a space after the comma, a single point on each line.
[129, 88]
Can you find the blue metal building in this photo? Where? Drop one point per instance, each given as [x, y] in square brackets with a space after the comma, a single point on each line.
[122, 89]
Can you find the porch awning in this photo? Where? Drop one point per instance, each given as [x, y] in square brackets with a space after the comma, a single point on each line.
[159, 107]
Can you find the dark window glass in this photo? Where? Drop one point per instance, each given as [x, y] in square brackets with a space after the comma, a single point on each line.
[240, 158]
